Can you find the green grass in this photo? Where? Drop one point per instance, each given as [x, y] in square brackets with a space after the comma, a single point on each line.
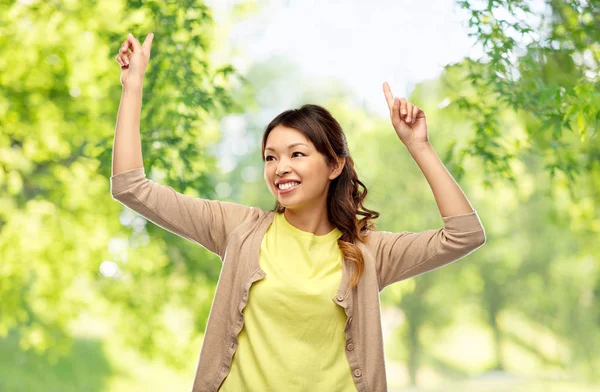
[503, 385]
[99, 363]
[87, 369]
[94, 365]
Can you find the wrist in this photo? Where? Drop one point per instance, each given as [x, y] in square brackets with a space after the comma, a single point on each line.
[133, 86]
[416, 148]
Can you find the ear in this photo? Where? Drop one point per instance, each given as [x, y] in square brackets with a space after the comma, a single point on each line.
[337, 169]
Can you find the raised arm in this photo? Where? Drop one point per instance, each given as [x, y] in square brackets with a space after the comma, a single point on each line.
[127, 148]
[205, 222]
[407, 254]
[410, 124]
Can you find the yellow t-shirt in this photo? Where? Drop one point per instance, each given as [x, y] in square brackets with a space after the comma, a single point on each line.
[293, 334]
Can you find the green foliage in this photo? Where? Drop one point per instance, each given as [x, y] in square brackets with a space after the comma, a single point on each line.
[545, 71]
[59, 96]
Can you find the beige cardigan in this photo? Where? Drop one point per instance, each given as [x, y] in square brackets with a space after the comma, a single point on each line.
[234, 233]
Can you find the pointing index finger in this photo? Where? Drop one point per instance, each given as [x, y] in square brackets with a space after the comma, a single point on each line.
[148, 41]
[388, 94]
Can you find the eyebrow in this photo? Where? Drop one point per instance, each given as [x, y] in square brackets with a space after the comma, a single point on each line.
[290, 146]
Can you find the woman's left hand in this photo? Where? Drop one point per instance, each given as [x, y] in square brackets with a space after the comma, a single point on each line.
[408, 120]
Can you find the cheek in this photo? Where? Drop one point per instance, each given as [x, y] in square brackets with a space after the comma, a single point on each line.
[268, 171]
[269, 177]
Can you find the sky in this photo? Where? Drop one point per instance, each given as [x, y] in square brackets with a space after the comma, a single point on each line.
[403, 42]
[362, 43]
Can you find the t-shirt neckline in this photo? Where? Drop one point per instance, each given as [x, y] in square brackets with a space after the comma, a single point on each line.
[293, 230]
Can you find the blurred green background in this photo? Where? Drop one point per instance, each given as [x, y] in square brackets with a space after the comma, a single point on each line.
[94, 298]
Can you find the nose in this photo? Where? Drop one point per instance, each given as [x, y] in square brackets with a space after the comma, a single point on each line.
[280, 168]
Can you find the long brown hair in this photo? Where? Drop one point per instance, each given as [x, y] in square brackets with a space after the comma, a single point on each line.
[344, 199]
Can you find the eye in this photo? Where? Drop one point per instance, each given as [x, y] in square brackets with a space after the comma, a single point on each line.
[270, 156]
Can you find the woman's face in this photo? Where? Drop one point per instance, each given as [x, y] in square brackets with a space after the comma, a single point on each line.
[293, 156]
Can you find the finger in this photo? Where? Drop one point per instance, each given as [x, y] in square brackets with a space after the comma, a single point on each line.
[403, 111]
[124, 47]
[387, 91]
[416, 111]
[148, 41]
[395, 110]
[134, 42]
[123, 65]
[121, 60]
[409, 110]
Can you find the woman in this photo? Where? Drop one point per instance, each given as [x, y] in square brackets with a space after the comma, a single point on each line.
[297, 303]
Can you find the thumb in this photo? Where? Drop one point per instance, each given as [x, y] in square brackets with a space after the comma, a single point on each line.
[148, 41]
[134, 42]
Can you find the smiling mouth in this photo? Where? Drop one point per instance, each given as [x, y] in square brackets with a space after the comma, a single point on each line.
[280, 190]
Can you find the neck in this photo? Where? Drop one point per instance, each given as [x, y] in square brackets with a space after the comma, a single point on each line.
[314, 221]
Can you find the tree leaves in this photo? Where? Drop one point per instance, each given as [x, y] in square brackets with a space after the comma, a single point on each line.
[58, 103]
[538, 79]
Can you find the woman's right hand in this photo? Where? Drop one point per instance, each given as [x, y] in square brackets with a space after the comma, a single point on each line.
[133, 64]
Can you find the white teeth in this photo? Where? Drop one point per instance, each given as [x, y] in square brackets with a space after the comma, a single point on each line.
[288, 185]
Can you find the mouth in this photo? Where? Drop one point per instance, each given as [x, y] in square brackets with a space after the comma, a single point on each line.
[287, 190]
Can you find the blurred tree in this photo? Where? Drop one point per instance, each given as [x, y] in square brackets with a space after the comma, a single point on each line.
[544, 64]
[61, 244]
[542, 61]
[534, 227]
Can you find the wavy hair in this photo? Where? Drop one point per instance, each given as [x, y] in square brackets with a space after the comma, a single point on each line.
[344, 198]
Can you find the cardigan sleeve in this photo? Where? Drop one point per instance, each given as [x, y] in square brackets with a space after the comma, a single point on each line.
[203, 221]
[402, 255]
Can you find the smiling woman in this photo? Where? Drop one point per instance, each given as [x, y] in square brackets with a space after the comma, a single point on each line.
[294, 334]
[308, 146]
